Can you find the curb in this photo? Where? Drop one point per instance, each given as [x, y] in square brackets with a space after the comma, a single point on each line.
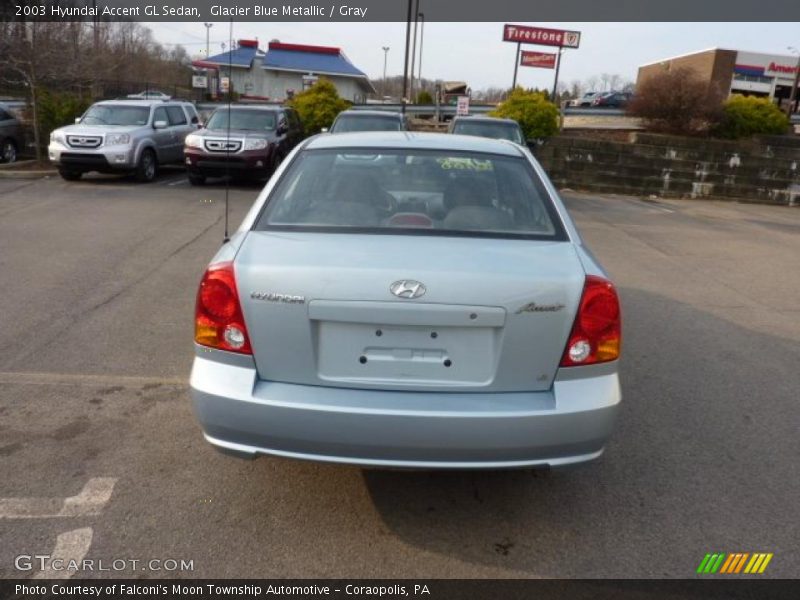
[8, 174]
[20, 163]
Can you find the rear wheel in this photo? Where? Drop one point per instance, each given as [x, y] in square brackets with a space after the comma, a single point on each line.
[148, 166]
[197, 179]
[8, 152]
[69, 174]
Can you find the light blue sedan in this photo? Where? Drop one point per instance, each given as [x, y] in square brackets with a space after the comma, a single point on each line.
[408, 300]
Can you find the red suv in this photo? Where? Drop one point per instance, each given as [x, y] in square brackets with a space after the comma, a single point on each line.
[245, 141]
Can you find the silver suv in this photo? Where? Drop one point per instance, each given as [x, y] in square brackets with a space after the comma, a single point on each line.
[123, 136]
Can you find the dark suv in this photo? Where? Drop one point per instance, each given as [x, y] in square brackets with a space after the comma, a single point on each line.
[243, 141]
[349, 121]
[10, 135]
[490, 127]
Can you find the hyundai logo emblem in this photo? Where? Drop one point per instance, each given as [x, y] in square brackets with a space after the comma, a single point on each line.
[407, 288]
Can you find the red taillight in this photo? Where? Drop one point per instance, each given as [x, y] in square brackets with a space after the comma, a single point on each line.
[597, 332]
[218, 319]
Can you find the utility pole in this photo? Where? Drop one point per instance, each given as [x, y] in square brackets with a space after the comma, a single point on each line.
[793, 94]
[385, 57]
[421, 40]
[414, 49]
[405, 66]
[208, 29]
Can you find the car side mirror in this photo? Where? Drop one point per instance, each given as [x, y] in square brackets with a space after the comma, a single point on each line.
[159, 125]
[195, 121]
[282, 129]
[77, 120]
[324, 130]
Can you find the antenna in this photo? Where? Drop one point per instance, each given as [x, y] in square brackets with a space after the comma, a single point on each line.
[226, 238]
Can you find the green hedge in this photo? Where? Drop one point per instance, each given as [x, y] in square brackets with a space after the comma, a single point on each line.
[318, 106]
[744, 116]
[537, 116]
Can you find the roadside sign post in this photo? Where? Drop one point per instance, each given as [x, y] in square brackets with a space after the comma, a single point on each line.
[558, 67]
[541, 36]
[462, 106]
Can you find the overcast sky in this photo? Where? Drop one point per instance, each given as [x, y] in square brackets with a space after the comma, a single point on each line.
[475, 52]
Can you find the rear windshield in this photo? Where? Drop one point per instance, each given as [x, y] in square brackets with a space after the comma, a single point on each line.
[350, 123]
[412, 191]
[253, 120]
[499, 130]
[116, 115]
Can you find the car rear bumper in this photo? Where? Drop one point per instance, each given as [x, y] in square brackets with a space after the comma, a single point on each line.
[245, 416]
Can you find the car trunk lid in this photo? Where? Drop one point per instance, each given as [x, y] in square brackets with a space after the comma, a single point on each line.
[494, 314]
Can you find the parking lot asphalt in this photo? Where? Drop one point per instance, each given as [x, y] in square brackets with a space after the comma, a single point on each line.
[98, 284]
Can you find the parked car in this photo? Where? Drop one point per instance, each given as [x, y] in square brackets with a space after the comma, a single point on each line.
[245, 140]
[612, 100]
[123, 136]
[585, 100]
[416, 300]
[150, 95]
[349, 121]
[11, 138]
[491, 127]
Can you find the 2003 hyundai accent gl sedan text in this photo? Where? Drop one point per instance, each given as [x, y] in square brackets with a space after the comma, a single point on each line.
[408, 300]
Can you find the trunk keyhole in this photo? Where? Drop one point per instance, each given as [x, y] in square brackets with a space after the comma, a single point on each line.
[363, 360]
[379, 333]
[434, 335]
[447, 362]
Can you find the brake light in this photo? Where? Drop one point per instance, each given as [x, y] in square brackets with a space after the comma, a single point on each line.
[218, 319]
[597, 332]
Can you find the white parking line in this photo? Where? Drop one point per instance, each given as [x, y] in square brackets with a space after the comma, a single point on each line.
[135, 381]
[90, 501]
[179, 182]
[71, 547]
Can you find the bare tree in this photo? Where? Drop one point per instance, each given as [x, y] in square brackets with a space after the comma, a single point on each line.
[675, 101]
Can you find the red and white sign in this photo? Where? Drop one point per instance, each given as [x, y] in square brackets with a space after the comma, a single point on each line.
[541, 36]
[462, 106]
[543, 60]
[774, 67]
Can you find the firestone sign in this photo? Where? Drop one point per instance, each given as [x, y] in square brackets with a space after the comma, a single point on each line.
[543, 60]
[541, 36]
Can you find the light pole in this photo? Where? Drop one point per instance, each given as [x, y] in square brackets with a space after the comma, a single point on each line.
[208, 29]
[405, 63]
[414, 50]
[793, 94]
[385, 57]
[421, 16]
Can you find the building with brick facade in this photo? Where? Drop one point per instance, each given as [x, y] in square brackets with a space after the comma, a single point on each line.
[734, 72]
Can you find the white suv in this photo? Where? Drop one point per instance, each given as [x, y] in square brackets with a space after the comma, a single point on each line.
[133, 136]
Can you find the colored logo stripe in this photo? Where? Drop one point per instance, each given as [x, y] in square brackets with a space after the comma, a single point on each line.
[734, 563]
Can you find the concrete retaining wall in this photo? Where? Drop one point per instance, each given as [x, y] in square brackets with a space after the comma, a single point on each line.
[766, 169]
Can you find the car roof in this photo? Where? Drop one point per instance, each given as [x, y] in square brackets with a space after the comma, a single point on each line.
[484, 118]
[140, 102]
[270, 107]
[414, 140]
[371, 113]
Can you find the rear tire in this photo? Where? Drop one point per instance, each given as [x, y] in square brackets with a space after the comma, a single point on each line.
[8, 152]
[147, 168]
[197, 179]
[69, 175]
